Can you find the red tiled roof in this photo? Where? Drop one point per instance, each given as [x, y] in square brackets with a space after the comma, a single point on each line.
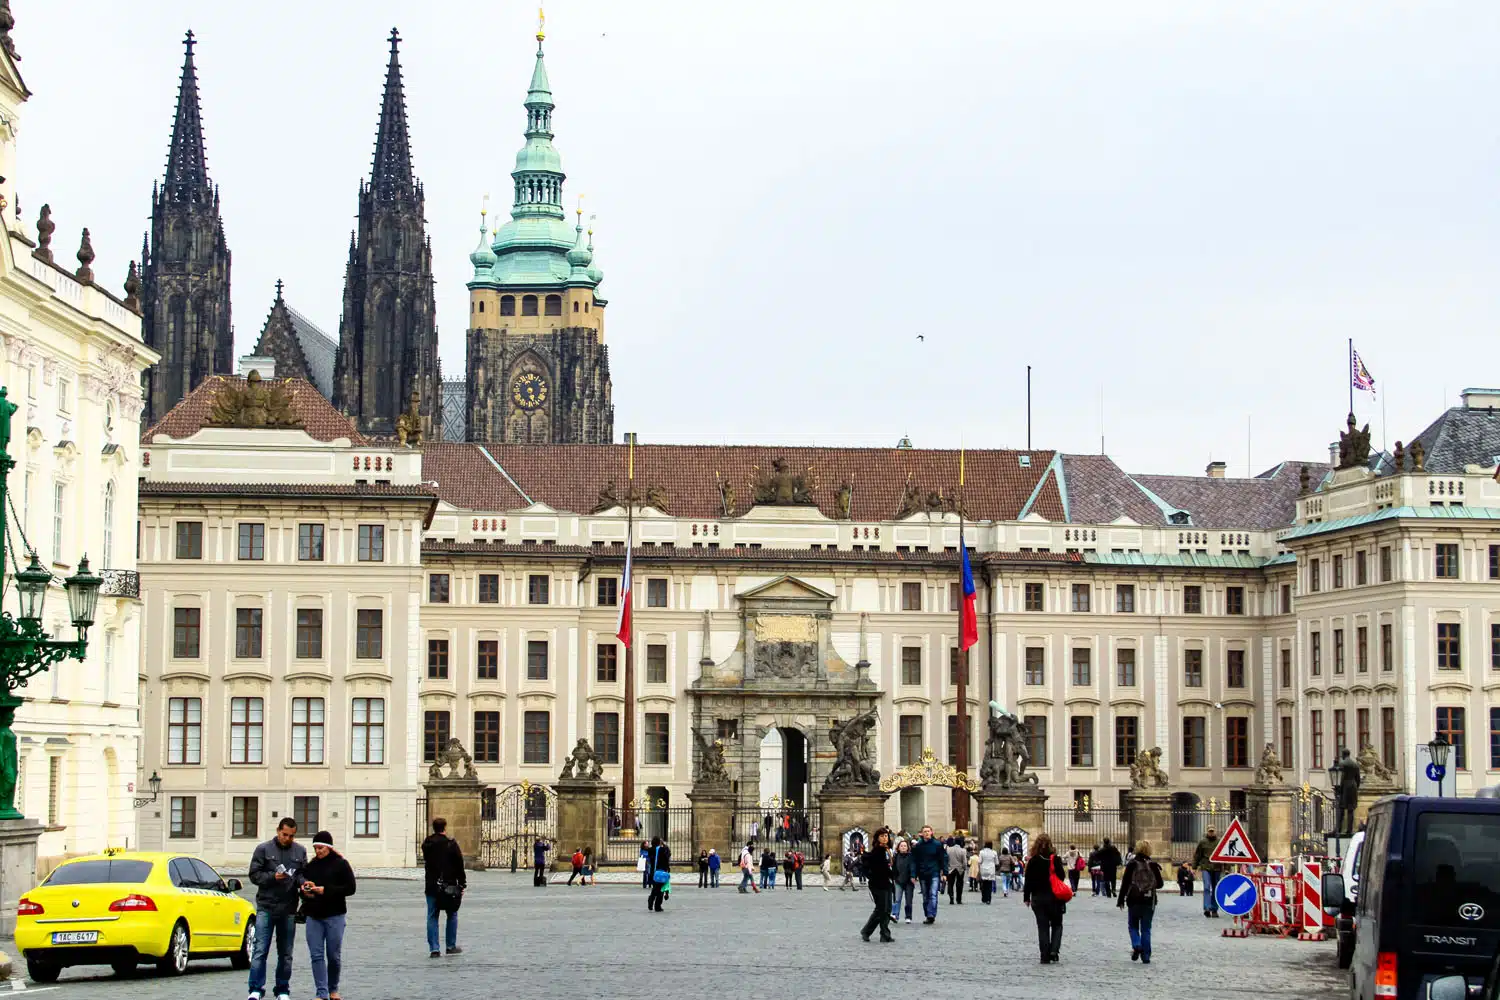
[569, 477]
[321, 421]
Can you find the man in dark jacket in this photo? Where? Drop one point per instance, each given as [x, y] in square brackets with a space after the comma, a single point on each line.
[659, 860]
[928, 859]
[1109, 866]
[276, 869]
[1201, 854]
[446, 881]
[539, 851]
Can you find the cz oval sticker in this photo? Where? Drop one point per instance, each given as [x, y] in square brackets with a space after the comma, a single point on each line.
[1471, 911]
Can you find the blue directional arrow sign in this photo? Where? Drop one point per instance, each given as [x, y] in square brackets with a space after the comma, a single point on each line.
[1235, 895]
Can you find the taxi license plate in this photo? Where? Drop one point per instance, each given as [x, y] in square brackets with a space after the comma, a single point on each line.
[75, 937]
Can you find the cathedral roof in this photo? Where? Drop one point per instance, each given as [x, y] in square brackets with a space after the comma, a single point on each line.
[187, 163]
[319, 419]
[299, 347]
[391, 173]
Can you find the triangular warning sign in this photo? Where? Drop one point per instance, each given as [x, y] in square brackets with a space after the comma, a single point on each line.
[1235, 847]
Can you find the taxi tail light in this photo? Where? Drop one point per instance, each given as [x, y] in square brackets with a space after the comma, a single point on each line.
[26, 908]
[1385, 974]
[133, 903]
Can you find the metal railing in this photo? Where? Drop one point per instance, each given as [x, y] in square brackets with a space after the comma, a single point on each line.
[782, 830]
[674, 825]
[1086, 828]
[1190, 826]
[120, 583]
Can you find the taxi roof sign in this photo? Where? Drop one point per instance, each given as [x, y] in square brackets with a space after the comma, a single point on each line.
[1235, 847]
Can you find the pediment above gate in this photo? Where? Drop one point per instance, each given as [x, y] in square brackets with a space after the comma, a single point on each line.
[785, 588]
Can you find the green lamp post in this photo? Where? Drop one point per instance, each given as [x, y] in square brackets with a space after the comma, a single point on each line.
[25, 648]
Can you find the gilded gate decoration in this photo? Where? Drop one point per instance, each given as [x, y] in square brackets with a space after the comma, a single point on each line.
[928, 770]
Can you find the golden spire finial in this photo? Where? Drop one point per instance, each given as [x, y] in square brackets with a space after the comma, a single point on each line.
[484, 208]
[579, 210]
[541, 24]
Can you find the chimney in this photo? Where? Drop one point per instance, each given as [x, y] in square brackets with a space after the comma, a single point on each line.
[1215, 470]
[1481, 399]
[259, 363]
[1333, 454]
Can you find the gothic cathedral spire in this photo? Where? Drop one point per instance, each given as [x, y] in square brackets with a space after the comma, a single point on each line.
[388, 345]
[185, 265]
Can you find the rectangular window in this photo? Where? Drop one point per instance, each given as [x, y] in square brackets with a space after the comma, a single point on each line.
[1082, 666]
[536, 659]
[244, 811]
[1338, 650]
[253, 541]
[437, 588]
[1234, 668]
[1449, 656]
[1236, 741]
[305, 812]
[1286, 598]
[911, 597]
[1127, 739]
[607, 736]
[1314, 575]
[1286, 668]
[656, 593]
[1192, 668]
[606, 662]
[537, 587]
[955, 597]
[487, 660]
[1034, 597]
[1385, 564]
[909, 748]
[658, 738]
[607, 592]
[1388, 736]
[1036, 725]
[437, 659]
[1362, 728]
[1234, 600]
[911, 665]
[728, 730]
[367, 815]
[1387, 660]
[1194, 741]
[1316, 639]
[1450, 726]
[1081, 592]
[247, 717]
[185, 632]
[372, 543]
[1340, 730]
[1081, 741]
[184, 730]
[189, 539]
[953, 657]
[1495, 646]
[1361, 568]
[1495, 739]
[1286, 742]
[486, 737]
[247, 623]
[437, 728]
[1317, 738]
[367, 735]
[656, 663]
[1036, 670]
[310, 542]
[1125, 667]
[307, 730]
[1125, 598]
[1192, 600]
[369, 632]
[59, 504]
[184, 818]
[1495, 562]
[54, 790]
[1338, 572]
[309, 633]
[1446, 567]
[489, 588]
[537, 746]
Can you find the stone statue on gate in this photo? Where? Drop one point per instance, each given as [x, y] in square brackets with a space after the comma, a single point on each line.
[1146, 770]
[1346, 793]
[712, 770]
[852, 768]
[1372, 770]
[1007, 753]
[583, 764]
[453, 756]
[1269, 771]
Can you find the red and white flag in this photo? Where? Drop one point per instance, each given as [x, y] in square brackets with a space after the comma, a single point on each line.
[623, 632]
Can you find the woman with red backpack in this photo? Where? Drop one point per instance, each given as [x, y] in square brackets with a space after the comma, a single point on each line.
[1047, 893]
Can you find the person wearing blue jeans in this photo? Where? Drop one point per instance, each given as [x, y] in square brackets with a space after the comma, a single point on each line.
[1201, 856]
[443, 860]
[928, 859]
[1138, 898]
[902, 885]
[276, 869]
[434, 907]
[284, 927]
[325, 892]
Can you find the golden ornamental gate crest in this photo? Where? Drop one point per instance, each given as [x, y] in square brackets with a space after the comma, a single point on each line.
[928, 770]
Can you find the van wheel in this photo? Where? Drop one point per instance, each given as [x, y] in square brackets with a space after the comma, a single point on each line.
[1346, 951]
[241, 958]
[39, 970]
[175, 961]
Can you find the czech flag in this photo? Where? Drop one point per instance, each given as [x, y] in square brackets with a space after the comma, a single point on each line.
[623, 632]
[968, 618]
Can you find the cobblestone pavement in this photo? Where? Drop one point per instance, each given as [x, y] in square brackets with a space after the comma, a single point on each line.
[561, 942]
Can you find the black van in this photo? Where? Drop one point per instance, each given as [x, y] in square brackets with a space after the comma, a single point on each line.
[1429, 896]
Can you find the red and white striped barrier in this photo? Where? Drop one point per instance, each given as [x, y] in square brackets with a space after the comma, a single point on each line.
[1312, 902]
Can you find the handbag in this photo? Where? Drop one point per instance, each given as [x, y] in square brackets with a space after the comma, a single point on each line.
[660, 877]
[1060, 888]
[640, 863]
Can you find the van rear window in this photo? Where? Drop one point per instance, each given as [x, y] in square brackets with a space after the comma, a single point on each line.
[1458, 870]
[96, 872]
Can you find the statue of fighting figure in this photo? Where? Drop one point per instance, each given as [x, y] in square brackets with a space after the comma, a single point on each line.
[1007, 752]
[852, 768]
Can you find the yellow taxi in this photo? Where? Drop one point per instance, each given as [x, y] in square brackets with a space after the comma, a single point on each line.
[122, 908]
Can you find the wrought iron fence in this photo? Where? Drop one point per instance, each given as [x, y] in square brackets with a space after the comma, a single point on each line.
[1085, 828]
[512, 820]
[782, 830]
[120, 583]
[1312, 816]
[674, 825]
[1190, 826]
[422, 828]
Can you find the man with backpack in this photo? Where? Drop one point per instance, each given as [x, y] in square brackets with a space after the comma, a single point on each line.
[1138, 898]
[444, 863]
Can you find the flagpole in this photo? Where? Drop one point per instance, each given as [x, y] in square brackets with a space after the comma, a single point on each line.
[1351, 374]
[961, 803]
[627, 756]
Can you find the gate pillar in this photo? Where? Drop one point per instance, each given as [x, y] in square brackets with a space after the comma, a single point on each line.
[1150, 818]
[846, 809]
[457, 800]
[1001, 809]
[1269, 816]
[580, 817]
[713, 819]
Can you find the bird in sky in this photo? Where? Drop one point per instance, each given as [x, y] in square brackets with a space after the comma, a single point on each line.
[921, 338]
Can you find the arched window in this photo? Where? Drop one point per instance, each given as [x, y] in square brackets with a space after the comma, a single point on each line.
[507, 305]
[585, 307]
[481, 305]
[575, 306]
[109, 525]
[554, 305]
[528, 305]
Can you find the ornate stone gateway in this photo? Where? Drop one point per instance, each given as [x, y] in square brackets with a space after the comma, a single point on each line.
[512, 819]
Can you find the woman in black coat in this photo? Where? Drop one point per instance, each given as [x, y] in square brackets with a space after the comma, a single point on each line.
[877, 870]
[658, 859]
[1045, 906]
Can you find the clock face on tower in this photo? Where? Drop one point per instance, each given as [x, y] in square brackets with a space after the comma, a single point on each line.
[529, 391]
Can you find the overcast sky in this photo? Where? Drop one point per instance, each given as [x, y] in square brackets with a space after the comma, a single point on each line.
[1186, 206]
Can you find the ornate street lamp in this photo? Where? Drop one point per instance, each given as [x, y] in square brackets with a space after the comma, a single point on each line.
[155, 782]
[25, 648]
[1438, 748]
